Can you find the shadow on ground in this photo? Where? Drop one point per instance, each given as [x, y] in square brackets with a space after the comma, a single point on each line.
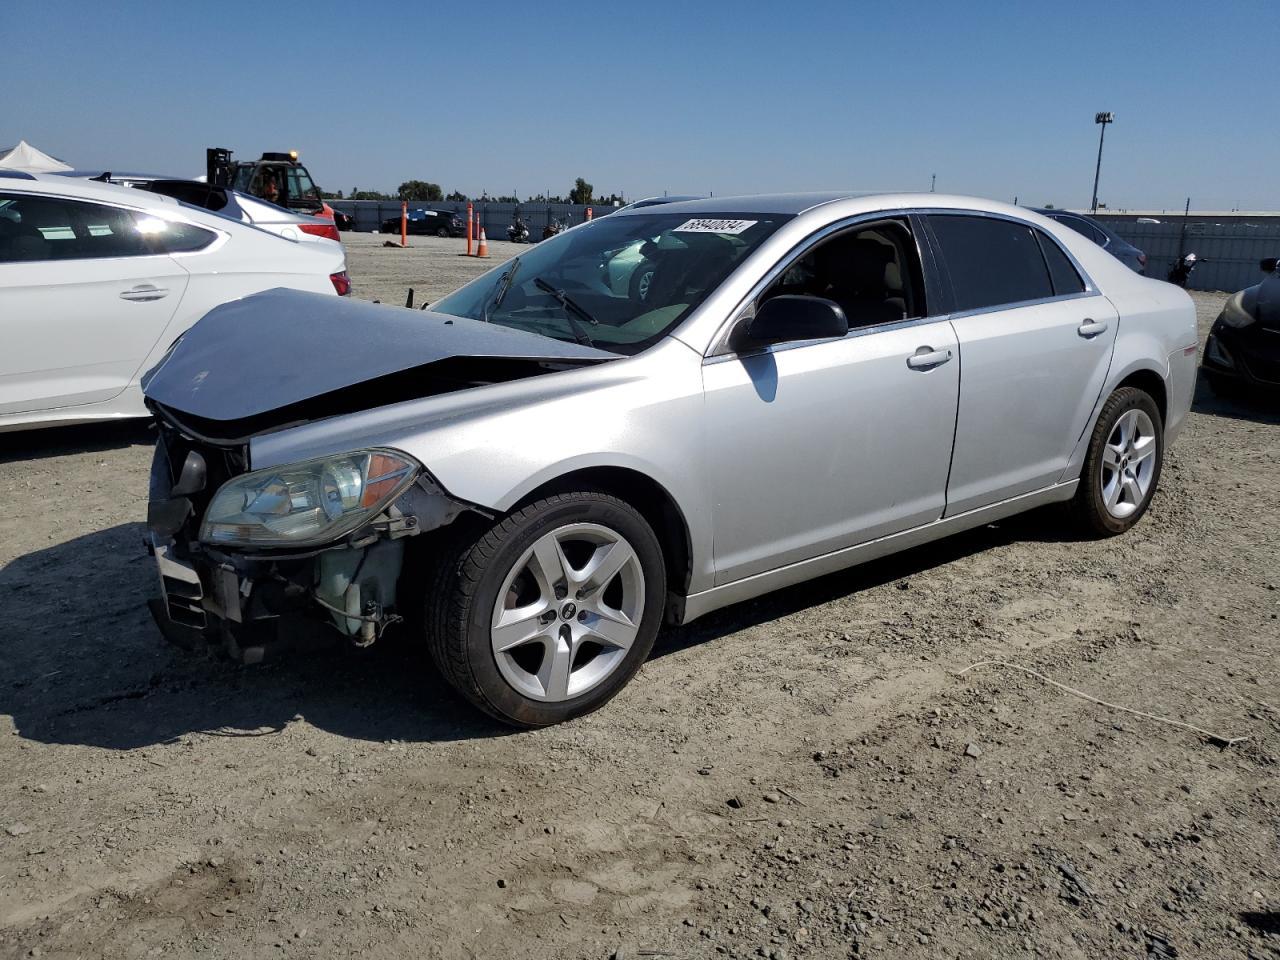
[1046, 525]
[82, 662]
[1239, 405]
[66, 441]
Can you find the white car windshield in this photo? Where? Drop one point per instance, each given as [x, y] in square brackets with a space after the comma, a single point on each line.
[619, 283]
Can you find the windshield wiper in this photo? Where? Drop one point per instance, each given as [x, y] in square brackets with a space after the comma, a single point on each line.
[570, 308]
[500, 291]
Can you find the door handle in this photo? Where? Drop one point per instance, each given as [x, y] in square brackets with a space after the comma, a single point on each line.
[144, 293]
[926, 358]
[1090, 328]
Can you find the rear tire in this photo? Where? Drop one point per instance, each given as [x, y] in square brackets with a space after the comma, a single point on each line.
[1122, 467]
[519, 627]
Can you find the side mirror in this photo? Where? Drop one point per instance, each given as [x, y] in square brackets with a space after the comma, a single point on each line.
[1268, 265]
[789, 318]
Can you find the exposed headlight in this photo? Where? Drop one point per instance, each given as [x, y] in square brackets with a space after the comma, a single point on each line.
[306, 503]
[1234, 313]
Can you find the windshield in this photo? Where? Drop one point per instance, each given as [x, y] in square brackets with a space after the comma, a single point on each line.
[620, 283]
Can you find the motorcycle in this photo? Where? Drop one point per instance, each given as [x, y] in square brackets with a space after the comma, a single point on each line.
[1182, 267]
[518, 232]
[552, 228]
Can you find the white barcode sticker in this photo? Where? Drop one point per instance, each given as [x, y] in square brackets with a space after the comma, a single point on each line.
[714, 226]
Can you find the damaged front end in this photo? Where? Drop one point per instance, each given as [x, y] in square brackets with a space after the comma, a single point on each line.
[252, 561]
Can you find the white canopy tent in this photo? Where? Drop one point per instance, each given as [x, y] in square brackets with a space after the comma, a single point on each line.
[28, 159]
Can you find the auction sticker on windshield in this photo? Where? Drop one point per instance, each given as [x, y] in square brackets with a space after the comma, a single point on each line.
[714, 226]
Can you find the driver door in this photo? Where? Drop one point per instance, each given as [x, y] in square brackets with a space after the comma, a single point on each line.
[817, 446]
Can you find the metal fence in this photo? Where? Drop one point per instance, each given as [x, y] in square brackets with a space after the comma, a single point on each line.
[1230, 251]
[494, 217]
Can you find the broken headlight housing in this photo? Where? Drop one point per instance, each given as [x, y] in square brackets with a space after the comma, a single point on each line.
[307, 503]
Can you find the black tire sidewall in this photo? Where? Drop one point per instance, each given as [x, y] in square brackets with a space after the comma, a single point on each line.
[503, 700]
[1090, 496]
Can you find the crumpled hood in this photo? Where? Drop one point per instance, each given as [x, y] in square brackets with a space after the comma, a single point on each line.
[282, 347]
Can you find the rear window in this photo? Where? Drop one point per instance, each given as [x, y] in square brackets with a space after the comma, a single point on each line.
[991, 262]
[1084, 228]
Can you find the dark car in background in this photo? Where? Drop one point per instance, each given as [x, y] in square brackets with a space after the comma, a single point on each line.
[428, 223]
[1242, 353]
[1103, 236]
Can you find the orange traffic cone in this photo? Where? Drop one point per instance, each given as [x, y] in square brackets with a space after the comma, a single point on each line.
[483, 249]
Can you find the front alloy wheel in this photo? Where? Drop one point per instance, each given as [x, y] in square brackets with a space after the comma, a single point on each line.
[547, 613]
[568, 612]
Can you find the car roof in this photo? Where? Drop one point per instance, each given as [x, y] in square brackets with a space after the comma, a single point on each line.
[851, 202]
[114, 175]
[92, 190]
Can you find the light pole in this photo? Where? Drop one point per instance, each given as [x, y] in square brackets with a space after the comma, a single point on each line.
[1102, 119]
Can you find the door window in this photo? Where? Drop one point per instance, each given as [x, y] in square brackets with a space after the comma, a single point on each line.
[872, 271]
[991, 262]
[52, 228]
[1061, 271]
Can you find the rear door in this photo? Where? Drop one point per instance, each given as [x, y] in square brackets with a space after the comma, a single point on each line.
[1035, 345]
[84, 296]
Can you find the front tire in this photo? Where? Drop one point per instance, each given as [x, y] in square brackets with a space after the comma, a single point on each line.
[1122, 467]
[547, 613]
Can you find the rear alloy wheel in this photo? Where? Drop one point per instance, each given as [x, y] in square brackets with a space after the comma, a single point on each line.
[1123, 464]
[547, 614]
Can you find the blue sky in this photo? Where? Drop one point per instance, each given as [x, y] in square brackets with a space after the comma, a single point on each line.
[995, 98]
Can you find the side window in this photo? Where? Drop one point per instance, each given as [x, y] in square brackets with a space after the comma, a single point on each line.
[1065, 278]
[51, 228]
[991, 262]
[170, 236]
[872, 271]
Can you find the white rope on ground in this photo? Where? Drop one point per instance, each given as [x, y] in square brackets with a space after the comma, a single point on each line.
[1213, 737]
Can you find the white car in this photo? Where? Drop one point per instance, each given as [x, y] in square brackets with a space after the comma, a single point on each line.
[221, 200]
[97, 281]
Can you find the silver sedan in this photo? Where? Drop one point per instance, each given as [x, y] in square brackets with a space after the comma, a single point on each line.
[552, 462]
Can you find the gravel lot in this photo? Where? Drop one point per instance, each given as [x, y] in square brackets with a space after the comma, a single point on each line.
[804, 775]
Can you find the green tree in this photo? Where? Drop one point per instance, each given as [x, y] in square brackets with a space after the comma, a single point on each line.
[581, 192]
[419, 190]
[457, 196]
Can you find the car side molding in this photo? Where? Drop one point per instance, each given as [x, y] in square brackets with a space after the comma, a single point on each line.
[698, 604]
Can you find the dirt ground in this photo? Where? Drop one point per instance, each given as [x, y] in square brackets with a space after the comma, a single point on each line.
[804, 775]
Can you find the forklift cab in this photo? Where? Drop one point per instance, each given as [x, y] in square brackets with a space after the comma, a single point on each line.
[277, 178]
